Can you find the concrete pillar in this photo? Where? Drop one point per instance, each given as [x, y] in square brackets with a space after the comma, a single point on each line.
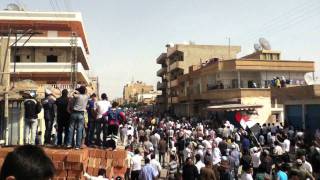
[239, 80]
[303, 116]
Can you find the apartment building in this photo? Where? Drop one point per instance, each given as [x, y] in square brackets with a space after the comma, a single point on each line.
[133, 89]
[223, 88]
[43, 60]
[175, 63]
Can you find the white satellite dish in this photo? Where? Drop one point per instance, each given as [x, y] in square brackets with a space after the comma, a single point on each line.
[13, 7]
[257, 47]
[264, 44]
[309, 79]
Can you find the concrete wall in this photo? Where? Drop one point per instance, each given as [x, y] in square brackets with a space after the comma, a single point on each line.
[264, 113]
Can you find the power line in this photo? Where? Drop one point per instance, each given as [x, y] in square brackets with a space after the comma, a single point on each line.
[289, 16]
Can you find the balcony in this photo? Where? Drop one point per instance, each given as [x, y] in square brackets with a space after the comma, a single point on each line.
[173, 100]
[161, 59]
[161, 85]
[225, 94]
[52, 70]
[174, 83]
[176, 65]
[61, 42]
[161, 72]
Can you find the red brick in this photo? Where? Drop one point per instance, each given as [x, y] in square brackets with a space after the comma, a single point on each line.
[60, 155]
[92, 152]
[91, 162]
[90, 170]
[61, 173]
[109, 154]
[75, 156]
[119, 172]
[73, 173]
[119, 163]
[77, 166]
[58, 165]
[5, 151]
[109, 172]
[100, 153]
[119, 154]
[95, 171]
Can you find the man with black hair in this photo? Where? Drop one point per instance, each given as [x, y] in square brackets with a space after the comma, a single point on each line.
[48, 104]
[114, 117]
[148, 172]
[32, 108]
[63, 117]
[77, 106]
[92, 117]
[190, 171]
[27, 162]
[102, 107]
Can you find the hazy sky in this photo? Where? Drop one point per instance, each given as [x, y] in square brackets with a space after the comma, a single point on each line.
[126, 36]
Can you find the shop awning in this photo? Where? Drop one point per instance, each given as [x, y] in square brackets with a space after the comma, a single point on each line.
[233, 107]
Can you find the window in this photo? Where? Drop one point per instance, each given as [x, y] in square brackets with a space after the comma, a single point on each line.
[52, 59]
[28, 57]
[17, 59]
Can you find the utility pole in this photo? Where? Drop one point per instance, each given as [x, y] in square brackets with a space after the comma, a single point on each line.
[5, 80]
[74, 60]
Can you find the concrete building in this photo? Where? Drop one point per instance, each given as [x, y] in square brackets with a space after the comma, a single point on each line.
[222, 87]
[43, 60]
[175, 62]
[301, 106]
[131, 91]
[148, 98]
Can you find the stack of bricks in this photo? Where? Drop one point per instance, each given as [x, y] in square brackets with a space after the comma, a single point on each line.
[71, 164]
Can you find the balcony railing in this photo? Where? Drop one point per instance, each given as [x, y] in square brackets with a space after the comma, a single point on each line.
[161, 72]
[175, 65]
[47, 68]
[161, 85]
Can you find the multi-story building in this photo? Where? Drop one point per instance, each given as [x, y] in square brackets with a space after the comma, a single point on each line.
[148, 98]
[238, 85]
[46, 57]
[43, 59]
[131, 91]
[176, 62]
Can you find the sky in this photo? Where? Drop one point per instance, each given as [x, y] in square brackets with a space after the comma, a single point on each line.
[126, 36]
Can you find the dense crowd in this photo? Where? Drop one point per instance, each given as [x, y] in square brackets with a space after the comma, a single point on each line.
[175, 148]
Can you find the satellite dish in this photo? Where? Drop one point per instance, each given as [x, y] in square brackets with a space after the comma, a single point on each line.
[264, 44]
[257, 47]
[309, 79]
[13, 7]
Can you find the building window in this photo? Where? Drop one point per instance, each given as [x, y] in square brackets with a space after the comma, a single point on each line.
[52, 59]
[28, 57]
[17, 59]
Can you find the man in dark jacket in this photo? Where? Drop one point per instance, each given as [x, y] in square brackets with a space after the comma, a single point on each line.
[48, 104]
[190, 171]
[31, 110]
[63, 117]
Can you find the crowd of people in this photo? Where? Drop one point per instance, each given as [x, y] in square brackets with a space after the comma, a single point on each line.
[186, 149]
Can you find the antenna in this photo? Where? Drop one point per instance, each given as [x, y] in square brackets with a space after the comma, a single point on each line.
[13, 7]
[264, 44]
[257, 47]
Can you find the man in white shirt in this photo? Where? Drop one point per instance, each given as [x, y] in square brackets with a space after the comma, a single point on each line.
[256, 159]
[136, 161]
[305, 164]
[286, 145]
[155, 164]
[102, 107]
[199, 164]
